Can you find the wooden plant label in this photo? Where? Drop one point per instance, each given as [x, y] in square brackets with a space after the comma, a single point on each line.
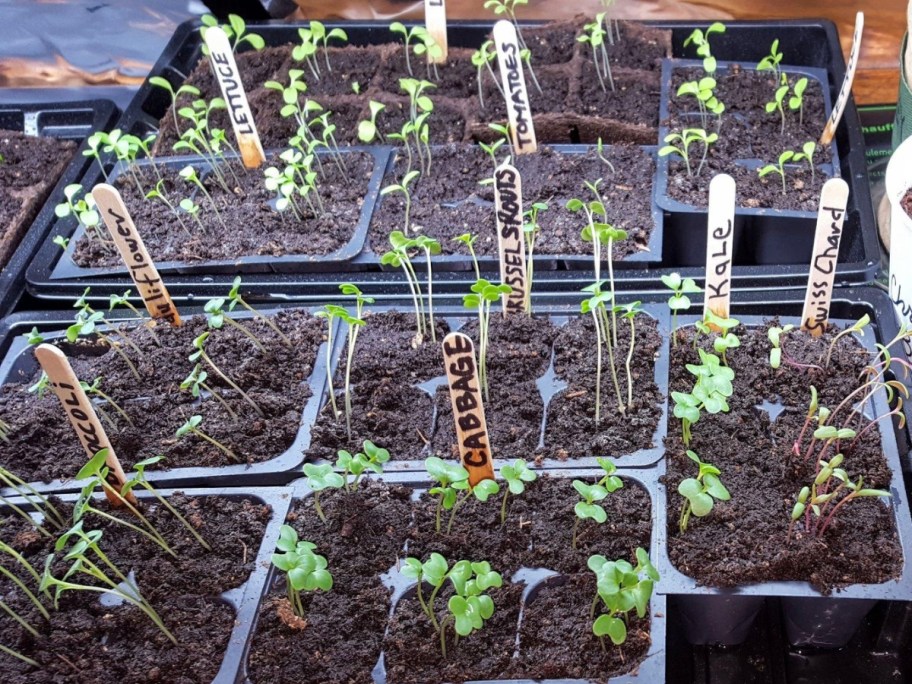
[830, 130]
[833, 200]
[81, 414]
[719, 241]
[510, 238]
[468, 411]
[436, 23]
[229, 78]
[132, 250]
[519, 111]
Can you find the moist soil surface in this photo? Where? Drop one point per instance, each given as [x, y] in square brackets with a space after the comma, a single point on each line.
[373, 610]
[450, 201]
[88, 641]
[241, 221]
[746, 540]
[750, 138]
[29, 170]
[42, 444]
[400, 398]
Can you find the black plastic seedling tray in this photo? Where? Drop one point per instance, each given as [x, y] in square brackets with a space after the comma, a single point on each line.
[245, 598]
[68, 120]
[651, 669]
[808, 44]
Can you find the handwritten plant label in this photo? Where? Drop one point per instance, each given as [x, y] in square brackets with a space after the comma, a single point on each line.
[468, 411]
[79, 410]
[830, 130]
[229, 79]
[519, 111]
[132, 250]
[830, 216]
[510, 239]
[719, 243]
[436, 23]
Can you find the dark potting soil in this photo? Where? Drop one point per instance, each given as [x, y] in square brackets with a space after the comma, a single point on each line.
[245, 222]
[449, 201]
[42, 444]
[750, 138]
[86, 641]
[370, 532]
[557, 58]
[29, 169]
[745, 540]
[400, 401]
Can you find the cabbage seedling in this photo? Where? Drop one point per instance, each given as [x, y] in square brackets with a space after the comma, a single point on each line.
[701, 40]
[235, 298]
[398, 257]
[772, 60]
[304, 570]
[200, 345]
[700, 492]
[516, 476]
[197, 380]
[372, 458]
[320, 477]
[403, 187]
[588, 509]
[621, 587]
[483, 294]
[430, 247]
[679, 301]
[775, 335]
[453, 489]
[192, 426]
[595, 305]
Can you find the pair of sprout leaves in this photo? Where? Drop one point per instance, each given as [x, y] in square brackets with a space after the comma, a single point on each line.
[305, 569]
[621, 588]
[588, 508]
[701, 491]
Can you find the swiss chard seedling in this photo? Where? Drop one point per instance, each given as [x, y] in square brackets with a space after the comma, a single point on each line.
[701, 492]
[775, 335]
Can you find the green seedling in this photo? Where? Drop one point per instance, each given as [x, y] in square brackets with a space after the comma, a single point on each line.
[403, 187]
[49, 514]
[330, 312]
[235, 29]
[700, 39]
[483, 58]
[703, 91]
[320, 478]
[93, 150]
[159, 193]
[34, 337]
[192, 208]
[196, 381]
[776, 105]
[588, 508]
[700, 492]
[423, 43]
[399, 257]
[192, 426]
[420, 108]
[94, 390]
[483, 294]
[368, 129]
[711, 391]
[312, 39]
[684, 140]
[796, 101]
[508, 7]
[469, 241]
[199, 344]
[775, 335]
[857, 327]
[620, 587]
[185, 89]
[87, 322]
[516, 475]
[354, 325]
[595, 305]
[594, 35]
[235, 298]
[600, 153]
[779, 168]
[453, 490]
[772, 60]
[372, 458]
[116, 300]
[807, 154]
[679, 301]
[304, 569]
[531, 231]
[216, 319]
[41, 386]
[85, 212]
[60, 241]
[711, 322]
[609, 480]
[188, 173]
[724, 342]
[629, 312]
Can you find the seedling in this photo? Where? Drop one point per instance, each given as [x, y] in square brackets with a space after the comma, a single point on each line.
[420, 108]
[188, 173]
[630, 311]
[600, 153]
[430, 247]
[516, 476]
[423, 44]
[354, 323]
[185, 89]
[86, 323]
[779, 168]
[621, 588]
[192, 426]
[469, 241]
[311, 40]
[483, 294]
[236, 30]
[469, 607]
[235, 298]
[192, 208]
[531, 231]
[116, 300]
[776, 105]
[60, 241]
[807, 154]
[95, 390]
[482, 58]
[724, 342]
[39, 502]
[304, 570]
[216, 319]
[700, 492]
[83, 209]
[857, 327]
[399, 257]
[775, 335]
[703, 91]
[711, 391]
[701, 40]
[330, 312]
[22, 563]
[595, 306]
[319, 478]
[33, 336]
[453, 490]
[199, 344]
[796, 101]
[196, 380]
[508, 7]
[685, 139]
[772, 60]
[609, 480]
[368, 129]
[594, 35]
[403, 187]
[679, 301]
[588, 509]
[158, 192]
[372, 458]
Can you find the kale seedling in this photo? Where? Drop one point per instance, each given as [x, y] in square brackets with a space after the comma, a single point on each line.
[320, 477]
[621, 587]
[711, 391]
[701, 40]
[516, 476]
[679, 301]
[304, 570]
[700, 492]
[192, 426]
[685, 139]
[200, 345]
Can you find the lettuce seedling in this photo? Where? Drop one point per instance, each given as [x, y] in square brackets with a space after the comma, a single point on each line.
[807, 154]
[594, 35]
[320, 477]
[796, 101]
[453, 489]
[483, 294]
[185, 89]
[701, 40]
[772, 60]
[235, 29]
[192, 426]
[516, 477]
[679, 301]
[775, 335]
[368, 129]
[304, 570]
[200, 345]
[621, 587]
[372, 458]
[588, 509]
[701, 491]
